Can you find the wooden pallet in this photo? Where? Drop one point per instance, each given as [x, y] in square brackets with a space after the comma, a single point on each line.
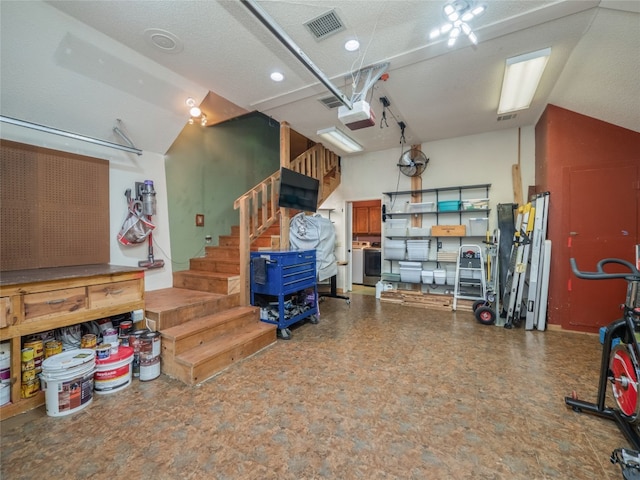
[411, 298]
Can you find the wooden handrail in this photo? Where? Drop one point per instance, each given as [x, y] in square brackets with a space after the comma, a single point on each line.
[259, 206]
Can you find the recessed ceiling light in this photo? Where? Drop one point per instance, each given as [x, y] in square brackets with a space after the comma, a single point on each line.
[352, 45]
[277, 76]
[164, 40]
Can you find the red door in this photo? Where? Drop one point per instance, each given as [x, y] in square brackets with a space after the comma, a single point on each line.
[603, 223]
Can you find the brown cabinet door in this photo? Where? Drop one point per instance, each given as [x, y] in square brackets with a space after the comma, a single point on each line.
[361, 220]
[375, 220]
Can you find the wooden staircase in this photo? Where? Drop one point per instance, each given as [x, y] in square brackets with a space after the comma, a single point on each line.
[205, 320]
[203, 326]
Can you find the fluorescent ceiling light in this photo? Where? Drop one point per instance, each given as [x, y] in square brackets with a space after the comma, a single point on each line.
[522, 75]
[340, 139]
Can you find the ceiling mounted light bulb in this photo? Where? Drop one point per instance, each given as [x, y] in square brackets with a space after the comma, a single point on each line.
[203, 120]
[458, 13]
[190, 102]
[352, 45]
[277, 76]
[195, 112]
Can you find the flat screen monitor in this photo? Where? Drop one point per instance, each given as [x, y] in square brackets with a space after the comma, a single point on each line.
[298, 191]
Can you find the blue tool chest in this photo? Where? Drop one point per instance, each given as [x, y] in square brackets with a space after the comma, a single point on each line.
[283, 285]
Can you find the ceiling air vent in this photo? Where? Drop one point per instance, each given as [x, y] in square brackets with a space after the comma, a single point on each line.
[325, 25]
[330, 102]
[508, 116]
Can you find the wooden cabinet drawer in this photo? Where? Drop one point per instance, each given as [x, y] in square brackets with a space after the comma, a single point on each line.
[109, 294]
[5, 311]
[55, 302]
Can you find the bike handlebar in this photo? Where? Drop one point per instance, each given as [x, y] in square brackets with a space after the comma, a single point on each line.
[601, 274]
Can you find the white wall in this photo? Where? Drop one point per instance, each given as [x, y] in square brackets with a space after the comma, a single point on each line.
[475, 159]
[124, 170]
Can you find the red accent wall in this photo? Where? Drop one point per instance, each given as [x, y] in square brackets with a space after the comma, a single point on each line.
[566, 139]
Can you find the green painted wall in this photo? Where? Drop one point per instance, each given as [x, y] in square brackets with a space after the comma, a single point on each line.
[207, 169]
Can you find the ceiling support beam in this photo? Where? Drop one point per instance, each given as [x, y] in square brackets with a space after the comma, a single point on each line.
[288, 42]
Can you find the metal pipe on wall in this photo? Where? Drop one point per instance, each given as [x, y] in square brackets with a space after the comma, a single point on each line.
[63, 133]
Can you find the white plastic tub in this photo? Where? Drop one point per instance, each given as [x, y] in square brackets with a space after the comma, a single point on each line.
[67, 380]
[440, 276]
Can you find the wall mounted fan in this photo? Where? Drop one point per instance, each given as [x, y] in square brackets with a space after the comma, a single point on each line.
[412, 163]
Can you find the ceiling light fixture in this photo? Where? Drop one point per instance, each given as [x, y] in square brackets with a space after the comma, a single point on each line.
[522, 75]
[277, 76]
[340, 139]
[196, 113]
[458, 13]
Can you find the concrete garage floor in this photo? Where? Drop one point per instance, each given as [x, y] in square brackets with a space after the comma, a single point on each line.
[373, 391]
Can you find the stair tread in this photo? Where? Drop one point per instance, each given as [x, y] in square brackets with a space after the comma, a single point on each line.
[205, 273]
[223, 343]
[167, 299]
[206, 322]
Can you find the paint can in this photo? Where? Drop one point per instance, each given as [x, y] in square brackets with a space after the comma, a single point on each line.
[29, 389]
[103, 351]
[89, 341]
[149, 369]
[135, 340]
[110, 337]
[51, 348]
[27, 354]
[150, 345]
[38, 351]
[125, 328]
[114, 373]
[67, 380]
[37, 345]
[28, 375]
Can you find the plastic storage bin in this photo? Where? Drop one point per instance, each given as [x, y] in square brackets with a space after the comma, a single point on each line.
[440, 276]
[395, 249]
[427, 277]
[410, 272]
[420, 207]
[478, 227]
[475, 204]
[449, 206]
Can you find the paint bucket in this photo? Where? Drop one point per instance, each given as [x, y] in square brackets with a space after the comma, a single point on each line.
[114, 373]
[27, 354]
[5, 393]
[5, 363]
[51, 348]
[67, 380]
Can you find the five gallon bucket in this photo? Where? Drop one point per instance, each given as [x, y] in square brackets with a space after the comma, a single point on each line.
[67, 380]
[114, 373]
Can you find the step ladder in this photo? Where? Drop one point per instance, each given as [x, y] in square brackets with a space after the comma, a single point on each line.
[470, 281]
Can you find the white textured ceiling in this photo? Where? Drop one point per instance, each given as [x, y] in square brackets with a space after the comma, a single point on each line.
[63, 59]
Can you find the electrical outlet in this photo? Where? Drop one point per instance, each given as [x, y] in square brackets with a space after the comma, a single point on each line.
[207, 239]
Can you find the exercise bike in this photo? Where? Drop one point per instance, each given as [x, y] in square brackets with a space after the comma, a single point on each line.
[620, 365]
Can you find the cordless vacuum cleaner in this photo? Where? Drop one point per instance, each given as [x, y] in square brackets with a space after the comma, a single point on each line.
[148, 199]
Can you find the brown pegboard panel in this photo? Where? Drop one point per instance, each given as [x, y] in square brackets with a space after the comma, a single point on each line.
[55, 208]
